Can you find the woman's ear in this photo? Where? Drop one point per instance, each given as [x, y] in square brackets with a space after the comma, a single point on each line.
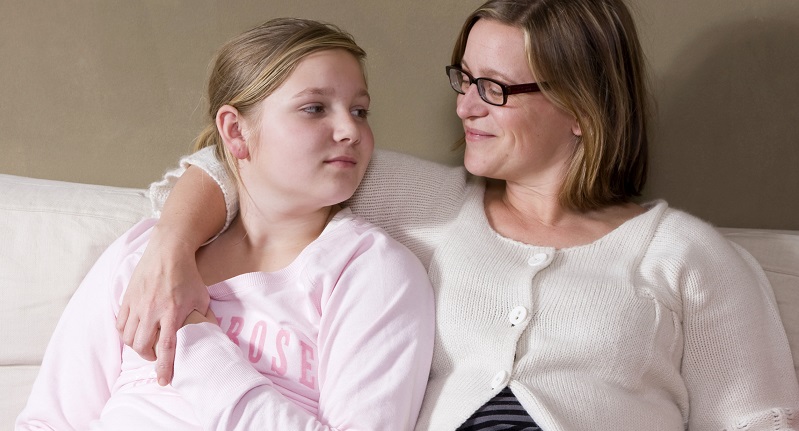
[229, 125]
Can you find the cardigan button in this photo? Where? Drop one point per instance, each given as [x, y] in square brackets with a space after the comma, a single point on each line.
[500, 380]
[517, 315]
[537, 259]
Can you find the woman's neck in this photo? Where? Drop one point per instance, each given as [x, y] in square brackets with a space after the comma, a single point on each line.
[538, 203]
[535, 216]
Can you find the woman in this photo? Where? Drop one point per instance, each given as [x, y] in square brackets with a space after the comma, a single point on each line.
[318, 320]
[557, 297]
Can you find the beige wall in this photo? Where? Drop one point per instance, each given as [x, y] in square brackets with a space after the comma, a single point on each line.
[112, 92]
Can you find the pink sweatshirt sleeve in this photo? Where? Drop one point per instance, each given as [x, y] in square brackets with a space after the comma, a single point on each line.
[375, 346]
[83, 357]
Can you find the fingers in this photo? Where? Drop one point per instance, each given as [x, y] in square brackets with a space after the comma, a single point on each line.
[141, 337]
[122, 317]
[135, 330]
[165, 349]
[133, 334]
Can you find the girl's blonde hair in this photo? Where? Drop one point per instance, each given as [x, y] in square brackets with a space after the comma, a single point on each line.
[588, 61]
[251, 66]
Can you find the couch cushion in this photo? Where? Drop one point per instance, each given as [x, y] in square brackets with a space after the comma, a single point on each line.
[52, 233]
[778, 254]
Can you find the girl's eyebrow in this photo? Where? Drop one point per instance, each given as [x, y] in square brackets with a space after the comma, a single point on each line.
[326, 91]
[315, 91]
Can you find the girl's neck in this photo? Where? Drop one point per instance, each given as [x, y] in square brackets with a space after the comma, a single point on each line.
[264, 229]
[261, 241]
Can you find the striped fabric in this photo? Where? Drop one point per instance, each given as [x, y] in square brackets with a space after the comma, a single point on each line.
[501, 413]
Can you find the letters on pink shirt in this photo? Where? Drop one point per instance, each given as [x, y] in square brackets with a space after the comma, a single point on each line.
[235, 328]
[307, 354]
[287, 356]
[285, 336]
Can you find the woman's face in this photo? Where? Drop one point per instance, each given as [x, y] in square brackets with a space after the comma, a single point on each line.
[528, 140]
[311, 141]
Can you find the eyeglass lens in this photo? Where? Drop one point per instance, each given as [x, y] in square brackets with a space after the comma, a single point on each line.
[489, 91]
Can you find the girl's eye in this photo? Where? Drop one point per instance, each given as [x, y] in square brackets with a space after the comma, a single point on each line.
[314, 109]
[360, 112]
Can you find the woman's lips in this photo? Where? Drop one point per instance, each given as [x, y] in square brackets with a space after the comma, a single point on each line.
[475, 134]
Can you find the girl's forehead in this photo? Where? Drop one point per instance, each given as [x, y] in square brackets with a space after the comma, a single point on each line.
[325, 73]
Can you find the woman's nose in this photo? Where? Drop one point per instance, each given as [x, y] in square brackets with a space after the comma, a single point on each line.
[469, 104]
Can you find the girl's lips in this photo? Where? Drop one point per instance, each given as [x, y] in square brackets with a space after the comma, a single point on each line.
[342, 161]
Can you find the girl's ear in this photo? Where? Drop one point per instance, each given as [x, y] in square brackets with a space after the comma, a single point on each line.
[229, 124]
[576, 129]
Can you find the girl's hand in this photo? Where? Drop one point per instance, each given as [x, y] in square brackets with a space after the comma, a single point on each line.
[197, 317]
[165, 287]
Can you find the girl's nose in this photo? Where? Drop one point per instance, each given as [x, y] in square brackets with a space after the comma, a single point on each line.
[346, 130]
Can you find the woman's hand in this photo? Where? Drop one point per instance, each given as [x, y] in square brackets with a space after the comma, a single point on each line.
[166, 284]
[165, 287]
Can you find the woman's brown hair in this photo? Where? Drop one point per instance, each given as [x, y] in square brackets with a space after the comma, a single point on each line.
[588, 60]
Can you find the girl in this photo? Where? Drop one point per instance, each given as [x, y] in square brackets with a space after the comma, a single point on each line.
[318, 319]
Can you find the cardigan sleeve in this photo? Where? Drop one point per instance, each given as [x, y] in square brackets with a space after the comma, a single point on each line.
[375, 346]
[411, 198]
[206, 160]
[736, 362]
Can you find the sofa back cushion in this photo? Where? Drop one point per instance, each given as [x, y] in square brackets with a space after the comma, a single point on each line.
[778, 254]
[52, 232]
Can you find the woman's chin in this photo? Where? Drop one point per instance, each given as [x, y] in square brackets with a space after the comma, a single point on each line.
[476, 166]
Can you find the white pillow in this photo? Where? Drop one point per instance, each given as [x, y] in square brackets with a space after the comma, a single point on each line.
[51, 233]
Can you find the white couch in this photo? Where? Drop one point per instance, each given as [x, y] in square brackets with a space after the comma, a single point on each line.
[52, 232]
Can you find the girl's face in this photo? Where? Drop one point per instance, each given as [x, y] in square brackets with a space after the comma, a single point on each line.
[528, 140]
[310, 141]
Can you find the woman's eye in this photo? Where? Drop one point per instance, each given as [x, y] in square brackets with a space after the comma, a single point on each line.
[495, 90]
[360, 112]
[314, 109]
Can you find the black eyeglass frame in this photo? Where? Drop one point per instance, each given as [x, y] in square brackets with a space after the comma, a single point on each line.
[507, 90]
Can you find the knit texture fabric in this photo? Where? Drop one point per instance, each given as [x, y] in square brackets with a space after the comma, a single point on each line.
[662, 324]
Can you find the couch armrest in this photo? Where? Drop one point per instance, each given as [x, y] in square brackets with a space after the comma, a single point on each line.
[777, 251]
[52, 233]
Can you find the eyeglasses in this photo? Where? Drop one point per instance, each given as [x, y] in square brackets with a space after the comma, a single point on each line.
[492, 92]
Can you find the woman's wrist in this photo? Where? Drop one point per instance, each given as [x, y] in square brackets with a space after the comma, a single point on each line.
[171, 243]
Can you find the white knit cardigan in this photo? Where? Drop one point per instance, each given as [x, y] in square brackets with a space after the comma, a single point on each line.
[662, 324]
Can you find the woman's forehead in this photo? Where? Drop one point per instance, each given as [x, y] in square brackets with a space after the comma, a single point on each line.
[498, 50]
